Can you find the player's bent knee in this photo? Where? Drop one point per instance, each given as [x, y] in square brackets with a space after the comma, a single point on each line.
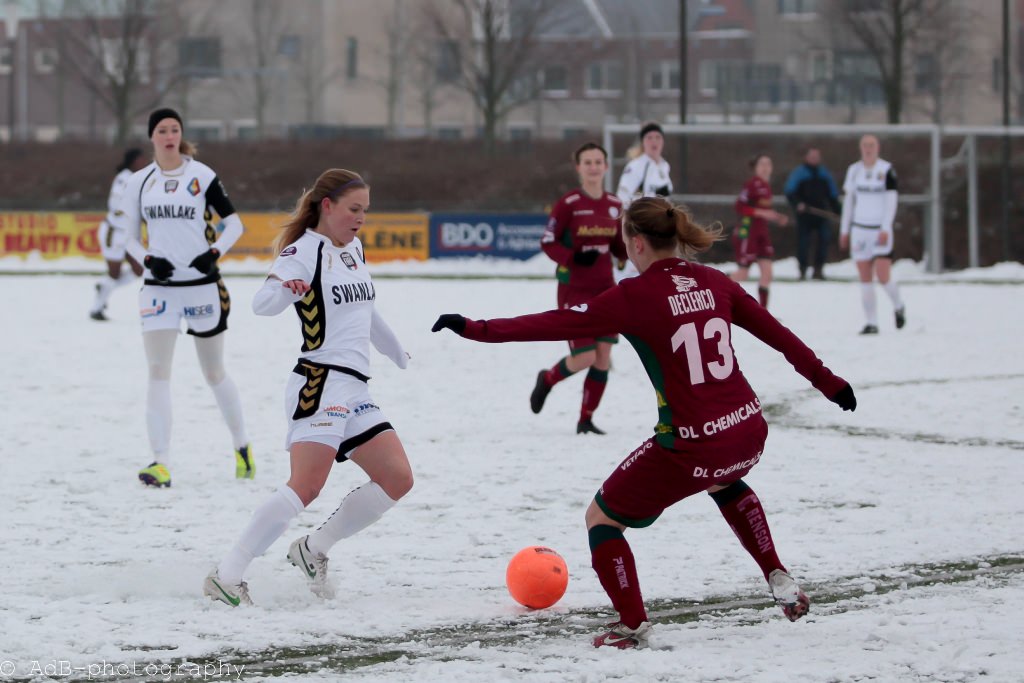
[397, 484]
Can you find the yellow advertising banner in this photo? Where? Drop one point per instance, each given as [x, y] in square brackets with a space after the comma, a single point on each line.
[52, 235]
[385, 236]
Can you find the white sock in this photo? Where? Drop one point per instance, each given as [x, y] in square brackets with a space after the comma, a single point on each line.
[360, 508]
[269, 521]
[158, 418]
[103, 291]
[230, 406]
[867, 297]
[893, 290]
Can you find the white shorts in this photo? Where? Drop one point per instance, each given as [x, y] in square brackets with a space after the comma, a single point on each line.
[337, 412]
[112, 241]
[204, 308]
[864, 244]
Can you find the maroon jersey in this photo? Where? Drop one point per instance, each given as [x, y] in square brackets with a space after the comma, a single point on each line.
[678, 316]
[579, 222]
[756, 194]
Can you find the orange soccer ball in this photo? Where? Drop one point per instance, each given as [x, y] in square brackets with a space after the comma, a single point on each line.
[537, 577]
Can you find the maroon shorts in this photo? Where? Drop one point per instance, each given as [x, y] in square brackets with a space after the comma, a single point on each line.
[653, 477]
[569, 297]
[751, 244]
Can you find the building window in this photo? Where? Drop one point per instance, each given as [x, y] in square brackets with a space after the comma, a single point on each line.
[449, 61]
[351, 58]
[797, 7]
[204, 132]
[449, 133]
[708, 76]
[819, 65]
[604, 78]
[115, 63]
[925, 73]
[857, 79]
[663, 78]
[573, 132]
[200, 57]
[520, 133]
[289, 46]
[555, 80]
[45, 59]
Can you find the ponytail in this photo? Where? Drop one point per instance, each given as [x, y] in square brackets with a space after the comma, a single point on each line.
[334, 184]
[188, 148]
[667, 226]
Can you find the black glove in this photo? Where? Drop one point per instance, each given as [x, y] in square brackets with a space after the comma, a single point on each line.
[661, 191]
[206, 261]
[161, 268]
[585, 258]
[845, 399]
[453, 321]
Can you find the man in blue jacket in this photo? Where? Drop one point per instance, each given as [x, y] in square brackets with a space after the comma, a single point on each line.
[814, 197]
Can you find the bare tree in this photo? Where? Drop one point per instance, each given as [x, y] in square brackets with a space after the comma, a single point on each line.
[109, 51]
[312, 74]
[397, 52]
[493, 46]
[887, 29]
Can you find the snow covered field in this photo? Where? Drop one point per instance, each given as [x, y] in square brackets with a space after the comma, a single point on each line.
[902, 520]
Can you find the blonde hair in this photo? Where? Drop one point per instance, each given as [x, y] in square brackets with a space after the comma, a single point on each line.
[666, 226]
[188, 148]
[334, 184]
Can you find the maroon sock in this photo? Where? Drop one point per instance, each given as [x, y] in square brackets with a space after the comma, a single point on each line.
[742, 510]
[762, 296]
[613, 561]
[557, 373]
[593, 390]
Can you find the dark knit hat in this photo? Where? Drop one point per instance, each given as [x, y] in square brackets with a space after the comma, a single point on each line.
[651, 126]
[161, 114]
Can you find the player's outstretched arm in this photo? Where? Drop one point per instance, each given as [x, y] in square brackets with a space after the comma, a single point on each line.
[385, 341]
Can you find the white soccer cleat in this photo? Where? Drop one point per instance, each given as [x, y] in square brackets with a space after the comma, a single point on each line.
[313, 565]
[623, 637]
[787, 594]
[230, 594]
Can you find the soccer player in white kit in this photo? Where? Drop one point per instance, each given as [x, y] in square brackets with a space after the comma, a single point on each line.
[866, 228]
[648, 175]
[176, 197]
[321, 271]
[112, 241]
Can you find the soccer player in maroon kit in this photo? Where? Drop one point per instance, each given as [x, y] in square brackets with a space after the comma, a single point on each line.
[677, 315]
[582, 235]
[750, 239]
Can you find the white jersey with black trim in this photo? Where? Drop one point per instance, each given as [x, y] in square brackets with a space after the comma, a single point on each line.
[336, 315]
[871, 196]
[644, 177]
[177, 207]
[116, 192]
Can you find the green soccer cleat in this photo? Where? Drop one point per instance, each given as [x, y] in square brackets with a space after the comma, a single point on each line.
[245, 466]
[233, 595]
[155, 474]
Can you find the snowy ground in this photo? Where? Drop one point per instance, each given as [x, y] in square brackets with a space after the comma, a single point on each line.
[903, 519]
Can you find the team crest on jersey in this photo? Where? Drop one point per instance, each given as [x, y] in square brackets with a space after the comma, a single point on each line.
[613, 211]
[349, 262]
[289, 251]
[193, 187]
[170, 186]
[683, 283]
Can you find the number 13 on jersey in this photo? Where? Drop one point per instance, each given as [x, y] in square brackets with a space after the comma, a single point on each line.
[687, 338]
